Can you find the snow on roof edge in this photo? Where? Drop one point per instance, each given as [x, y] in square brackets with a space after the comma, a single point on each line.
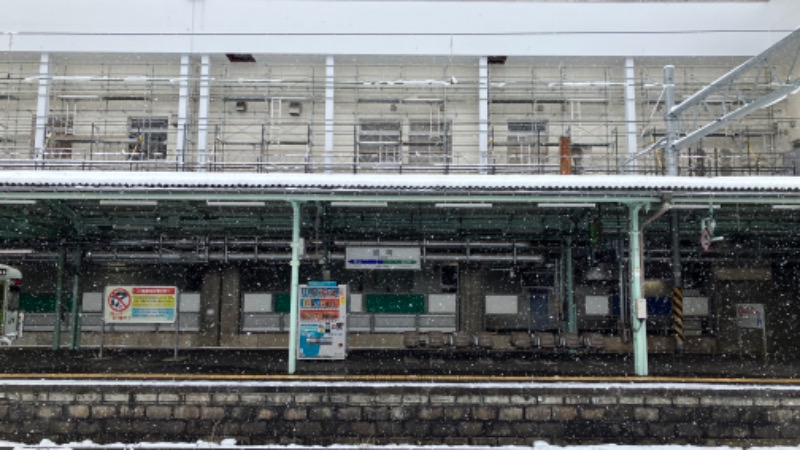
[381, 181]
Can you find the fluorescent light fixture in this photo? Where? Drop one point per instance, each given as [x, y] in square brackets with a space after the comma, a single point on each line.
[567, 205]
[359, 204]
[693, 206]
[235, 204]
[786, 207]
[463, 205]
[17, 202]
[15, 251]
[129, 202]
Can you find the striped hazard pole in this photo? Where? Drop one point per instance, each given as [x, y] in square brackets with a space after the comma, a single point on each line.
[677, 318]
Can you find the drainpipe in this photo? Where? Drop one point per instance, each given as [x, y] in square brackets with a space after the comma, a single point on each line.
[294, 287]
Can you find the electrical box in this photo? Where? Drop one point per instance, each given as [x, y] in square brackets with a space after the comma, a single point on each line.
[597, 305]
[641, 308]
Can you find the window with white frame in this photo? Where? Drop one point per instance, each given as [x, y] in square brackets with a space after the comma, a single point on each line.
[429, 142]
[379, 141]
[148, 137]
[524, 141]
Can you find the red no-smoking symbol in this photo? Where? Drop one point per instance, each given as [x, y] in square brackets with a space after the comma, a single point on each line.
[119, 299]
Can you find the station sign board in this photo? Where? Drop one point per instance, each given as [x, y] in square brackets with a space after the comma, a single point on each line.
[140, 304]
[322, 317]
[383, 258]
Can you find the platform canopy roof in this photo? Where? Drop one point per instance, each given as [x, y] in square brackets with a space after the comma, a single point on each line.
[48, 209]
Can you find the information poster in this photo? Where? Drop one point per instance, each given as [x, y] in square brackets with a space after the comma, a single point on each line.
[322, 316]
[140, 304]
[750, 315]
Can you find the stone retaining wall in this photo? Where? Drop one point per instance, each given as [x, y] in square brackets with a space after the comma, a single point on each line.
[318, 413]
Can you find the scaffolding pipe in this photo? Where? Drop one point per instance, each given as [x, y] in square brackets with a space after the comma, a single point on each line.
[432, 244]
[630, 114]
[193, 257]
[483, 114]
[261, 243]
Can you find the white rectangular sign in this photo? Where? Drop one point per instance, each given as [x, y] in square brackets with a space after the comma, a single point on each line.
[383, 258]
[140, 304]
[750, 315]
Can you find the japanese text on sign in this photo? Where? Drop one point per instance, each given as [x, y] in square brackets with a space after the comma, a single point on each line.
[140, 304]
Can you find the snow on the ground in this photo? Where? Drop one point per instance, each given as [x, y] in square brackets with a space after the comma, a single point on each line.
[231, 444]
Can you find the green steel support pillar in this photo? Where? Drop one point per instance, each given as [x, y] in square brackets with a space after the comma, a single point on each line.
[59, 295]
[569, 275]
[75, 331]
[639, 326]
[293, 290]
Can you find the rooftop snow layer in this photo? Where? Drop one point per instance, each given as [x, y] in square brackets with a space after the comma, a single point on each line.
[393, 182]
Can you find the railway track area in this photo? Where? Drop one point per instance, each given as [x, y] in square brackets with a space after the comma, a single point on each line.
[380, 365]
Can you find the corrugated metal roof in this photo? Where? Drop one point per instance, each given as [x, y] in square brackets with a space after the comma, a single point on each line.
[71, 180]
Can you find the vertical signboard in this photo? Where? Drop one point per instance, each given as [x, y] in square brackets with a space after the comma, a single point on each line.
[752, 316]
[140, 304]
[322, 316]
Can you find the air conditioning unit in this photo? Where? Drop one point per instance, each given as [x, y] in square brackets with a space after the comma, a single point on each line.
[295, 108]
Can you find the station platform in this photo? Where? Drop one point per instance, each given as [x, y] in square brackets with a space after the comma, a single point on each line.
[199, 362]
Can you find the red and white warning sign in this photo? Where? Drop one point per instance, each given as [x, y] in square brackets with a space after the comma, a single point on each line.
[140, 304]
[119, 300]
